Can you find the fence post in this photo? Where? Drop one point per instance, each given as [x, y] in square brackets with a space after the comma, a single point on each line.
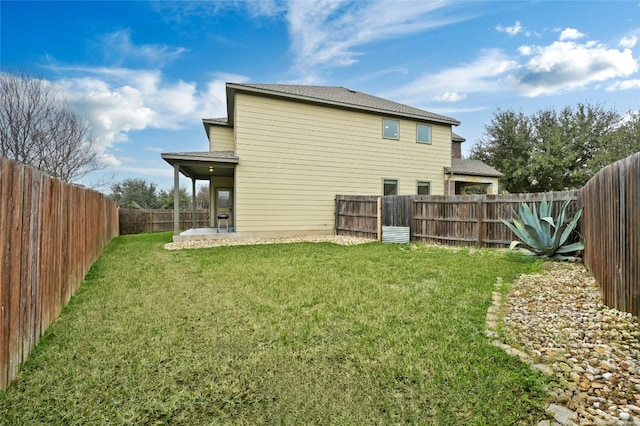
[480, 218]
[379, 218]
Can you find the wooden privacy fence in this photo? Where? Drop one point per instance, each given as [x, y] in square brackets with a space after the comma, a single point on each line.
[50, 234]
[458, 220]
[136, 221]
[612, 230]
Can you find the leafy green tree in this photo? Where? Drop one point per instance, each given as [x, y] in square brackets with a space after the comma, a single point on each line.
[622, 141]
[165, 199]
[506, 146]
[134, 193]
[556, 150]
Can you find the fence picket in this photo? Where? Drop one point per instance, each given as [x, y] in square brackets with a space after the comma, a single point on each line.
[610, 224]
[50, 234]
[136, 221]
[612, 229]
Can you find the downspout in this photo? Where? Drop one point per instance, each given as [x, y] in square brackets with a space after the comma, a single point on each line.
[450, 173]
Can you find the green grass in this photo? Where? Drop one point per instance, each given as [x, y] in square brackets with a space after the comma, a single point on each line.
[279, 334]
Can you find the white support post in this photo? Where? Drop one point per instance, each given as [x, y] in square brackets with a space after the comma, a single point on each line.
[193, 202]
[176, 200]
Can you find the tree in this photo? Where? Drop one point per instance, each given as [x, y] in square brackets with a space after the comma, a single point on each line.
[165, 199]
[506, 147]
[555, 150]
[38, 128]
[623, 141]
[134, 193]
[202, 197]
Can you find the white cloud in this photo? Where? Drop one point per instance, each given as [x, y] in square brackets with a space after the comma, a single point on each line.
[149, 171]
[214, 99]
[564, 66]
[449, 97]
[525, 50]
[118, 101]
[624, 85]
[485, 74]
[628, 42]
[511, 30]
[570, 34]
[154, 149]
[118, 48]
[327, 33]
[559, 67]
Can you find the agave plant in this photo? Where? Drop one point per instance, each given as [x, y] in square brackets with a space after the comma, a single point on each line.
[541, 234]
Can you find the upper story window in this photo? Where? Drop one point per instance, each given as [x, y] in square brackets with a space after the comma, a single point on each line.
[423, 188]
[389, 187]
[423, 133]
[390, 129]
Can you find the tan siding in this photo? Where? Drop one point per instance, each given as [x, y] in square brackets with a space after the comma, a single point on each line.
[221, 139]
[294, 158]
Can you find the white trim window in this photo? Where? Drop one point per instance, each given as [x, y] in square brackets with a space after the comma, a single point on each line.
[390, 129]
[423, 133]
[389, 186]
[423, 187]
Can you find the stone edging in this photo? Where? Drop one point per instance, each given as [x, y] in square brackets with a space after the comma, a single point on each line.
[562, 415]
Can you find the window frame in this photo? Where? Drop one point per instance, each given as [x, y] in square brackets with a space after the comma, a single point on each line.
[420, 183]
[397, 122]
[418, 133]
[397, 184]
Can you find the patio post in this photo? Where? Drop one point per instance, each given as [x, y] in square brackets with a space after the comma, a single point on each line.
[176, 200]
[193, 202]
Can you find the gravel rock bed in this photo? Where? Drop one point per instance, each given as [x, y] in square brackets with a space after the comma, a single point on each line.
[558, 319]
[336, 239]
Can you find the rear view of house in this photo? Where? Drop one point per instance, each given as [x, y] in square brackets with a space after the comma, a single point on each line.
[283, 152]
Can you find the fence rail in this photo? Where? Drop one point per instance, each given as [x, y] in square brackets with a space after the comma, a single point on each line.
[50, 234]
[459, 220]
[612, 229]
[136, 221]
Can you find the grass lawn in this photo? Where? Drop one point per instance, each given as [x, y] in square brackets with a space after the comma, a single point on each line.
[307, 333]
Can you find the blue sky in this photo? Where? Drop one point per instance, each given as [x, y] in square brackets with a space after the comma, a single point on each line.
[145, 73]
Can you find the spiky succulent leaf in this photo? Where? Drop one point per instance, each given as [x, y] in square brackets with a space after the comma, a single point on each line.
[541, 234]
[560, 221]
[531, 223]
[570, 227]
[570, 248]
[523, 232]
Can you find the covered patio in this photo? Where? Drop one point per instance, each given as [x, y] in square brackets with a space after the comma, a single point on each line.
[212, 166]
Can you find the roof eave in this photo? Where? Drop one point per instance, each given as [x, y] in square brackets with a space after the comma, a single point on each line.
[448, 171]
[173, 157]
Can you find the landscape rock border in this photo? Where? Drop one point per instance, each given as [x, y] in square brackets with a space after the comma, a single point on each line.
[556, 322]
[220, 242]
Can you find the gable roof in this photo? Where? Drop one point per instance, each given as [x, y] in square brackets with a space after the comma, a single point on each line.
[340, 97]
[471, 167]
[456, 137]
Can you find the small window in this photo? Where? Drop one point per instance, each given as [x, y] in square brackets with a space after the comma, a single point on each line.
[424, 188]
[390, 129]
[390, 187]
[423, 133]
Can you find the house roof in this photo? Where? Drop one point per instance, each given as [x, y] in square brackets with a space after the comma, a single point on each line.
[456, 137]
[471, 167]
[340, 97]
[198, 165]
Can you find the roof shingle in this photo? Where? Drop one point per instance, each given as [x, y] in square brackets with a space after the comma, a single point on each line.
[471, 167]
[341, 96]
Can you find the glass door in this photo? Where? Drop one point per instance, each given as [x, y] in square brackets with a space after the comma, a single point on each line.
[224, 207]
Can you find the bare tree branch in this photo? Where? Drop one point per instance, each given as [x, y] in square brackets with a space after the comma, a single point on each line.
[38, 128]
